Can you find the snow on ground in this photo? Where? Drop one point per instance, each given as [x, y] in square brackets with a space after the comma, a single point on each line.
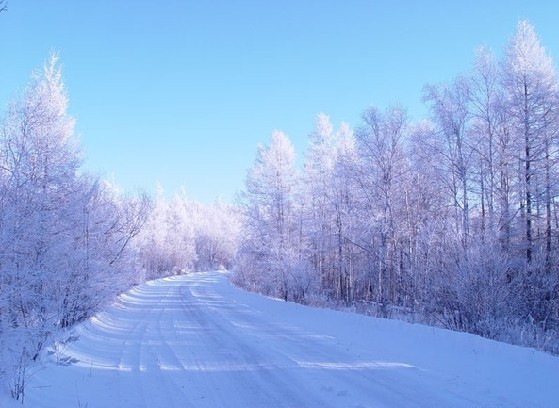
[197, 341]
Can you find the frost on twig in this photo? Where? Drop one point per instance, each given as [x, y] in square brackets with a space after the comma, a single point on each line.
[58, 350]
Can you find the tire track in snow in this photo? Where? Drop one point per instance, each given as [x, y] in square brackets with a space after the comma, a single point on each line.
[164, 391]
[190, 341]
[260, 375]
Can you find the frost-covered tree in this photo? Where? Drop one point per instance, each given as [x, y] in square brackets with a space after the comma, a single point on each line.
[269, 251]
[530, 87]
[180, 238]
[452, 219]
[451, 113]
[344, 201]
[216, 233]
[39, 163]
[329, 205]
[531, 91]
[166, 245]
[317, 196]
[183, 235]
[63, 235]
[382, 169]
[485, 104]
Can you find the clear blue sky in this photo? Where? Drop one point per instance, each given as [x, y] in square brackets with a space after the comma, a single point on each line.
[183, 91]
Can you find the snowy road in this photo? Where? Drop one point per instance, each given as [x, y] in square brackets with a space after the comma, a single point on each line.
[196, 341]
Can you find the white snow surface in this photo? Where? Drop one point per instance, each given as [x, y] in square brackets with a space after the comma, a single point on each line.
[197, 341]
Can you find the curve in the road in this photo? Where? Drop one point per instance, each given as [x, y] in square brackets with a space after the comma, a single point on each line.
[196, 341]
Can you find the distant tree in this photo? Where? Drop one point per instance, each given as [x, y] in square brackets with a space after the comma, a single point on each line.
[155, 255]
[216, 234]
[183, 235]
[180, 238]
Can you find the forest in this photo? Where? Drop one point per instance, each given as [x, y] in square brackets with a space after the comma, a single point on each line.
[450, 221]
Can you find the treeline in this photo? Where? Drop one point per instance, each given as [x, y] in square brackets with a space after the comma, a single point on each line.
[452, 220]
[182, 235]
[63, 233]
[69, 241]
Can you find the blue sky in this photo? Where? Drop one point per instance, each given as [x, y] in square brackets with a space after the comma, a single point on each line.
[182, 92]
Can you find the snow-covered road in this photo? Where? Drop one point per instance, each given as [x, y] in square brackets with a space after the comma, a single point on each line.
[197, 341]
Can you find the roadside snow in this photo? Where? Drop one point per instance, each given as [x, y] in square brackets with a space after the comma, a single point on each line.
[197, 341]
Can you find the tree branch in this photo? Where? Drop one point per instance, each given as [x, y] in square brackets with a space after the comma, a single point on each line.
[3, 5]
